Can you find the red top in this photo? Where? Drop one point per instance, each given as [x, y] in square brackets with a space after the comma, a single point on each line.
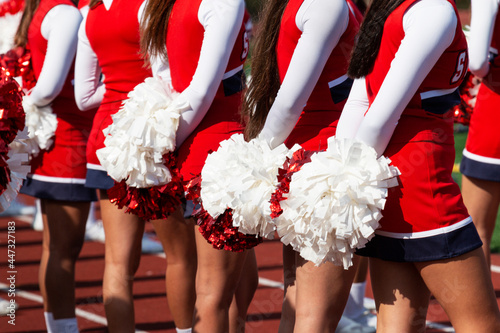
[114, 37]
[447, 73]
[38, 44]
[184, 40]
[321, 98]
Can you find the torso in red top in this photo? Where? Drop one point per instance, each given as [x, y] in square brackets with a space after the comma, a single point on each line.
[437, 93]
[333, 85]
[114, 37]
[38, 44]
[184, 39]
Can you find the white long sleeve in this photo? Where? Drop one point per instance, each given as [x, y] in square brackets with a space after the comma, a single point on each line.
[322, 23]
[89, 89]
[222, 21]
[59, 27]
[483, 16]
[429, 27]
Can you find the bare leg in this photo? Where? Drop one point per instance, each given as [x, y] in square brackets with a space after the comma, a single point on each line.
[287, 321]
[321, 295]
[177, 238]
[245, 290]
[401, 296]
[463, 287]
[63, 236]
[482, 199]
[217, 277]
[122, 256]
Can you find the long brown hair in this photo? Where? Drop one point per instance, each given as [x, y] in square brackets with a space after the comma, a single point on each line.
[369, 37]
[30, 7]
[265, 81]
[21, 37]
[92, 3]
[154, 28]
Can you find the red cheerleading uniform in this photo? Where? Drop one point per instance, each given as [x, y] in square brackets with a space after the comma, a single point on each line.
[481, 156]
[113, 35]
[320, 116]
[59, 172]
[424, 217]
[184, 39]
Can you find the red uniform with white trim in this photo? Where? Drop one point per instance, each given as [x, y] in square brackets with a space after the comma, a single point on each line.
[184, 40]
[481, 156]
[59, 173]
[114, 37]
[424, 216]
[320, 115]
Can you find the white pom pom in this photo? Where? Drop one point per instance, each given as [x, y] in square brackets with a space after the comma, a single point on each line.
[242, 176]
[8, 27]
[41, 124]
[19, 167]
[334, 203]
[143, 130]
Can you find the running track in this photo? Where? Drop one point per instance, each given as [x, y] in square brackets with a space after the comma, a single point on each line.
[152, 314]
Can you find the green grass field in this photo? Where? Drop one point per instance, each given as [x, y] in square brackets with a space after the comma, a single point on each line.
[460, 138]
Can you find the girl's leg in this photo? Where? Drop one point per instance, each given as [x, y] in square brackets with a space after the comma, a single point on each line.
[63, 236]
[287, 321]
[245, 291]
[463, 287]
[321, 295]
[177, 237]
[482, 199]
[401, 296]
[217, 277]
[122, 256]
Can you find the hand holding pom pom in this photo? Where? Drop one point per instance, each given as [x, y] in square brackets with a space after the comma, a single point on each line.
[335, 202]
[250, 172]
[41, 124]
[143, 130]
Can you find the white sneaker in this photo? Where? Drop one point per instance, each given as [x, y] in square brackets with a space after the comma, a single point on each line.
[369, 303]
[347, 325]
[6, 306]
[367, 318]
[37, 223]
[17, 208]
[94, 231]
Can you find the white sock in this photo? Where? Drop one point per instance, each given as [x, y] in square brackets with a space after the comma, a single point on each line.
[49, 322]
[66, 325]
[183, 330]
[354, 307]
[91, 217]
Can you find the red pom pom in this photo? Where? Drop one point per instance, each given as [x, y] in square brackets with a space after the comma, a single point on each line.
[17, 62]
[11, 121]
[291, 165]
[219, 232]
[11, 7]
[153, 203]
[468, 91]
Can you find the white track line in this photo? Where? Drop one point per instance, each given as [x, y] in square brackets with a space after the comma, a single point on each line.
[79, 312]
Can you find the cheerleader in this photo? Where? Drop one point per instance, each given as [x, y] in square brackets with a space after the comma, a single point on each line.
[480, 166]
[206, 46]
[410, 57]
[299, 63]
[108, 46]
[49, 28]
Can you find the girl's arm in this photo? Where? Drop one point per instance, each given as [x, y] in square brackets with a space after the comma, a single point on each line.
[483, 15]
[221, 20]
[429, 29]
[322, 23]
[59, 27]
[89, 89]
